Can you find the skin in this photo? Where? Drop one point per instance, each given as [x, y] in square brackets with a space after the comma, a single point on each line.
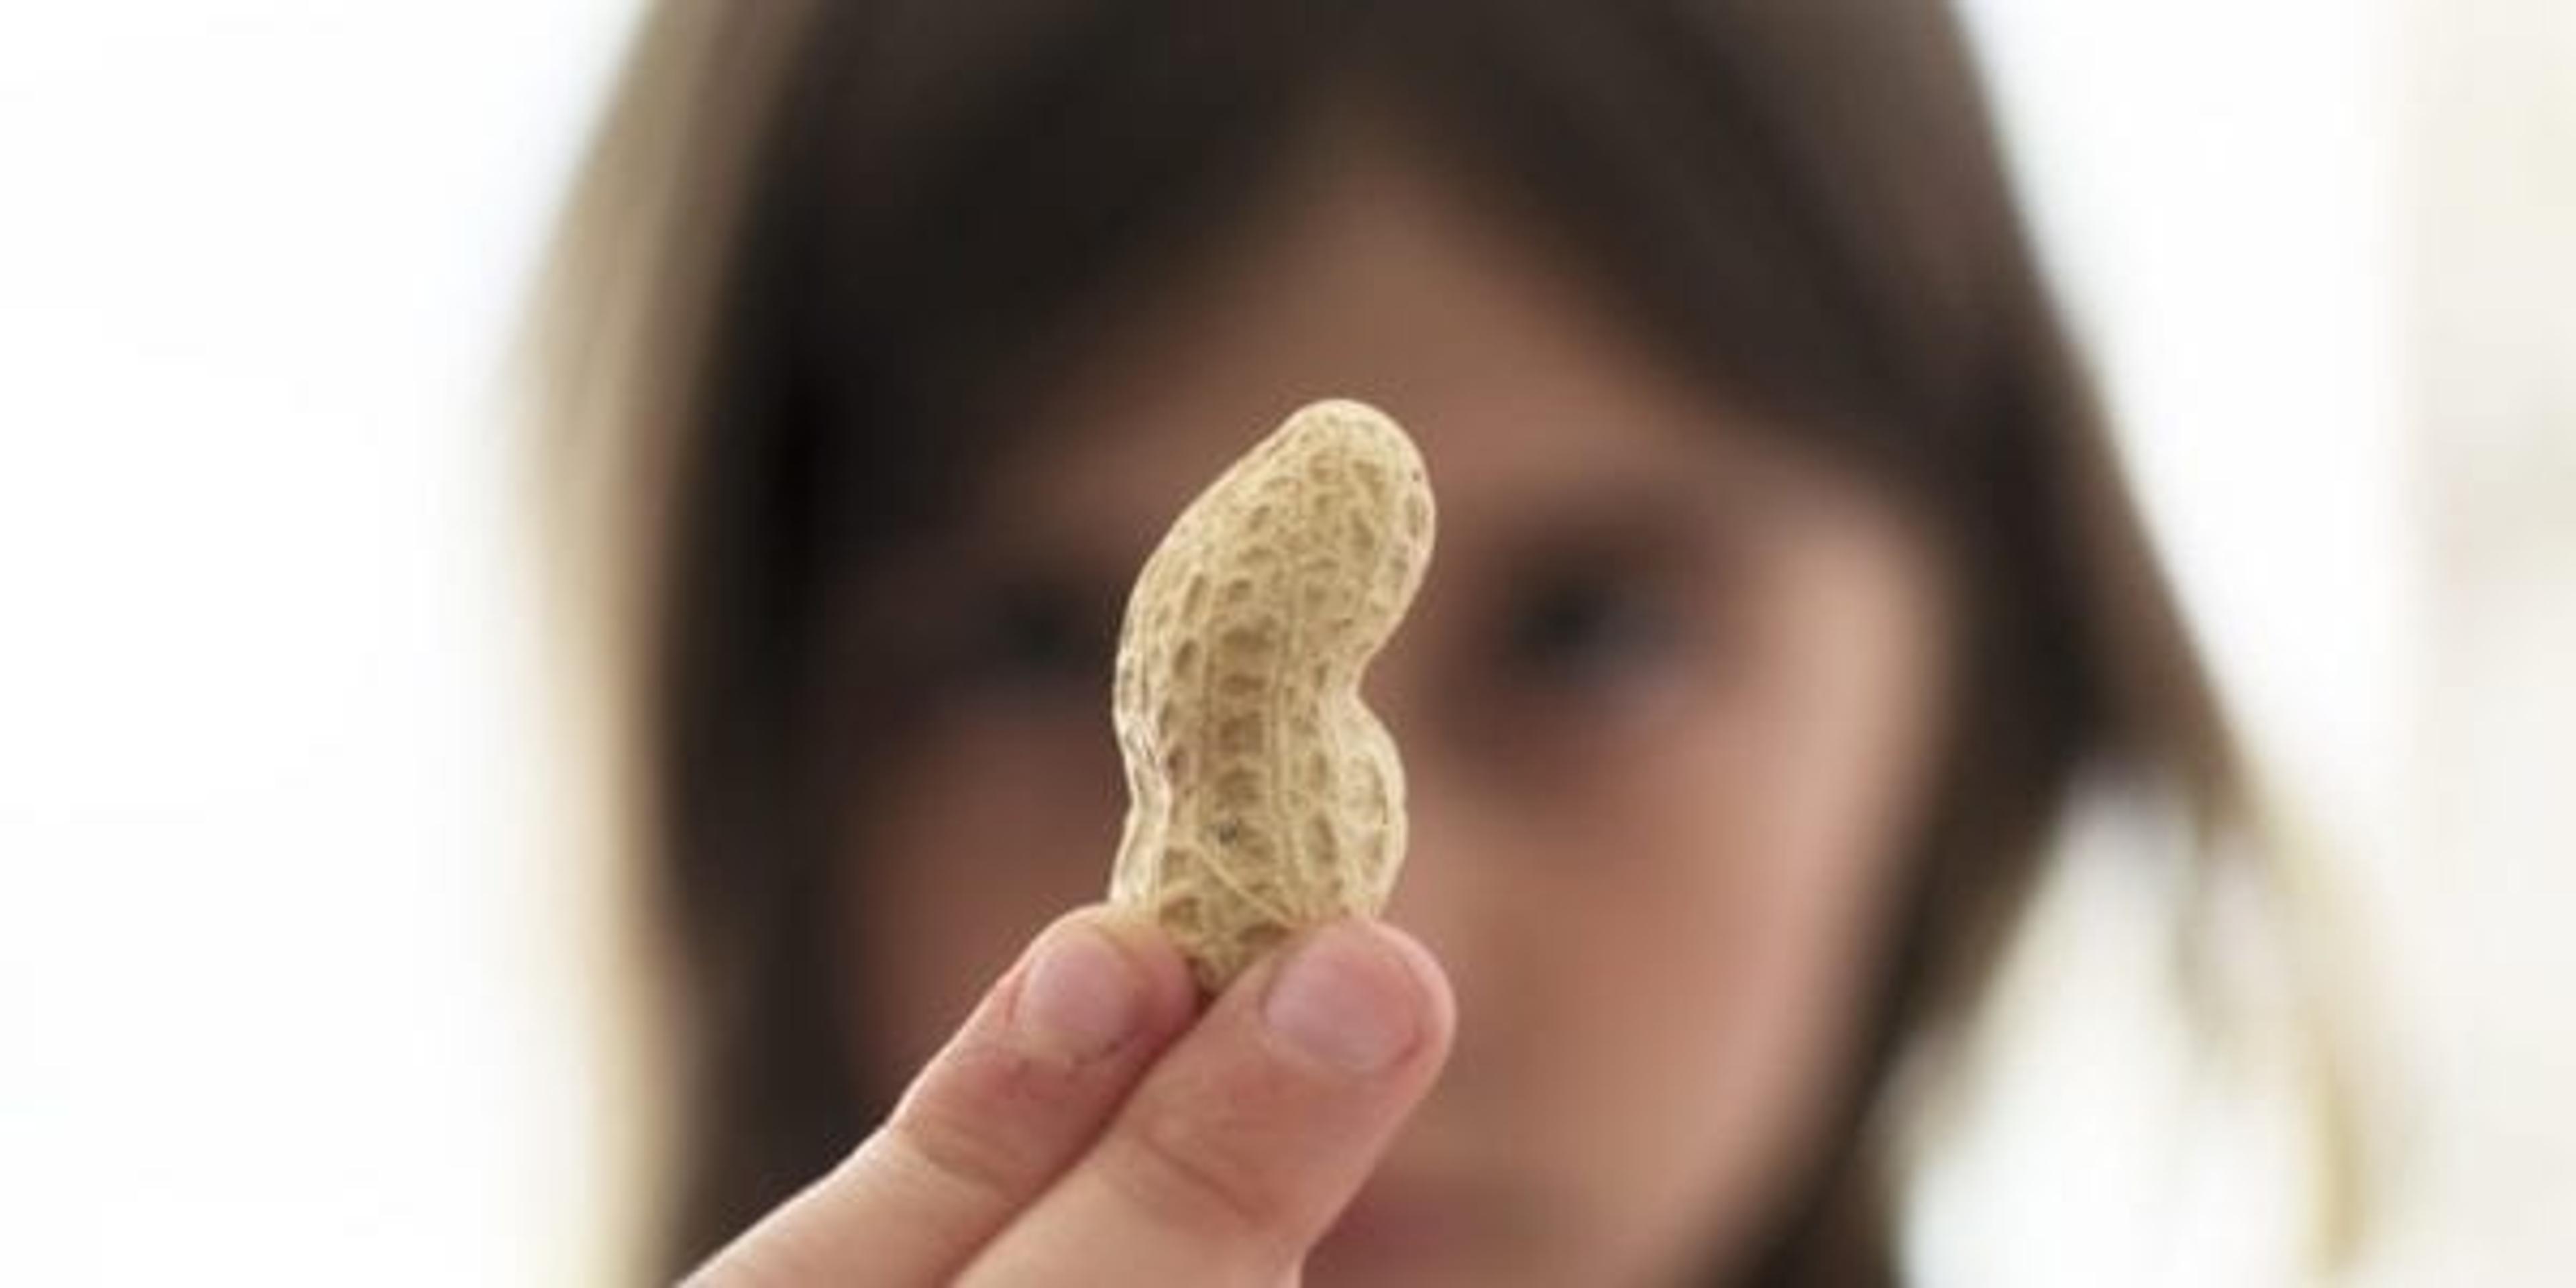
[1667, 703]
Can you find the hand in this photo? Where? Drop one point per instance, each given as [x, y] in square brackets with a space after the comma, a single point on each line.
[1088, 1126]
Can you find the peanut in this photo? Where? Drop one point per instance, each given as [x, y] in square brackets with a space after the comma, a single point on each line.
[1263, 795]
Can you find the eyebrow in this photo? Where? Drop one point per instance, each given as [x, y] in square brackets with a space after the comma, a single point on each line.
[1666, 519]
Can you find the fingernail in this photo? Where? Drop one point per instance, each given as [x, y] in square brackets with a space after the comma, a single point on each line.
[1081, 997]
[1345, 1000]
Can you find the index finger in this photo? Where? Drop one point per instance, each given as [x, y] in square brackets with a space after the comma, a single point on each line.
[1020, 1093]
[1236, 1151]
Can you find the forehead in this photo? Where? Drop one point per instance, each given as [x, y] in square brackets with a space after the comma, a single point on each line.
[1371, 279]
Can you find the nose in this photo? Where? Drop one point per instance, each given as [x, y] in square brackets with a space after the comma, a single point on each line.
[1453, 891]
[1456, 889]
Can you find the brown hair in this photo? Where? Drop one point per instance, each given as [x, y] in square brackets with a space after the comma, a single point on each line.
[811, 229]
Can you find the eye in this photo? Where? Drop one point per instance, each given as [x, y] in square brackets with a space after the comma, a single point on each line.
[1588, 629]
[1035, 637]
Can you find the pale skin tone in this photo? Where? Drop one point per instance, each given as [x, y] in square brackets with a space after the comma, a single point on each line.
[1667, 702]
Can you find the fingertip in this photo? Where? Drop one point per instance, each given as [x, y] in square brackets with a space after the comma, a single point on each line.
[1355, 996]
[1235, 1151]
[1438, 999]
[1162, 976]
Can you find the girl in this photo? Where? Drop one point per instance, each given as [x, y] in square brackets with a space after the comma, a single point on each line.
[1787, 585]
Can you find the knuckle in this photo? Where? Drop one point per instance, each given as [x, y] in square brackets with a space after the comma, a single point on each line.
[952, 1145]
[1192, 1166]
[972, 1123]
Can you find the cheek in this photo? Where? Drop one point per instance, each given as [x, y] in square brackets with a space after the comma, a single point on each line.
[1711, 1006]
[1850, 717]
[992, 825]
[1740, 863]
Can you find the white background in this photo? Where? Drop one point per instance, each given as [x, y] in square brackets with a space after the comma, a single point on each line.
[282, 988]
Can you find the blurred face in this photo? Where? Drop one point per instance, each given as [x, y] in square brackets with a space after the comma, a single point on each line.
[1666, 702]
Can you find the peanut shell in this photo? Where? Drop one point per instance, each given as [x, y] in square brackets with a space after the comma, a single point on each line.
[1263, 795]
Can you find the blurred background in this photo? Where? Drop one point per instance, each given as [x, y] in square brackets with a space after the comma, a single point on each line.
[290, 983]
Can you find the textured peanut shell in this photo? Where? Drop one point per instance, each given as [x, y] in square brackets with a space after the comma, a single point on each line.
[1263, 796]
